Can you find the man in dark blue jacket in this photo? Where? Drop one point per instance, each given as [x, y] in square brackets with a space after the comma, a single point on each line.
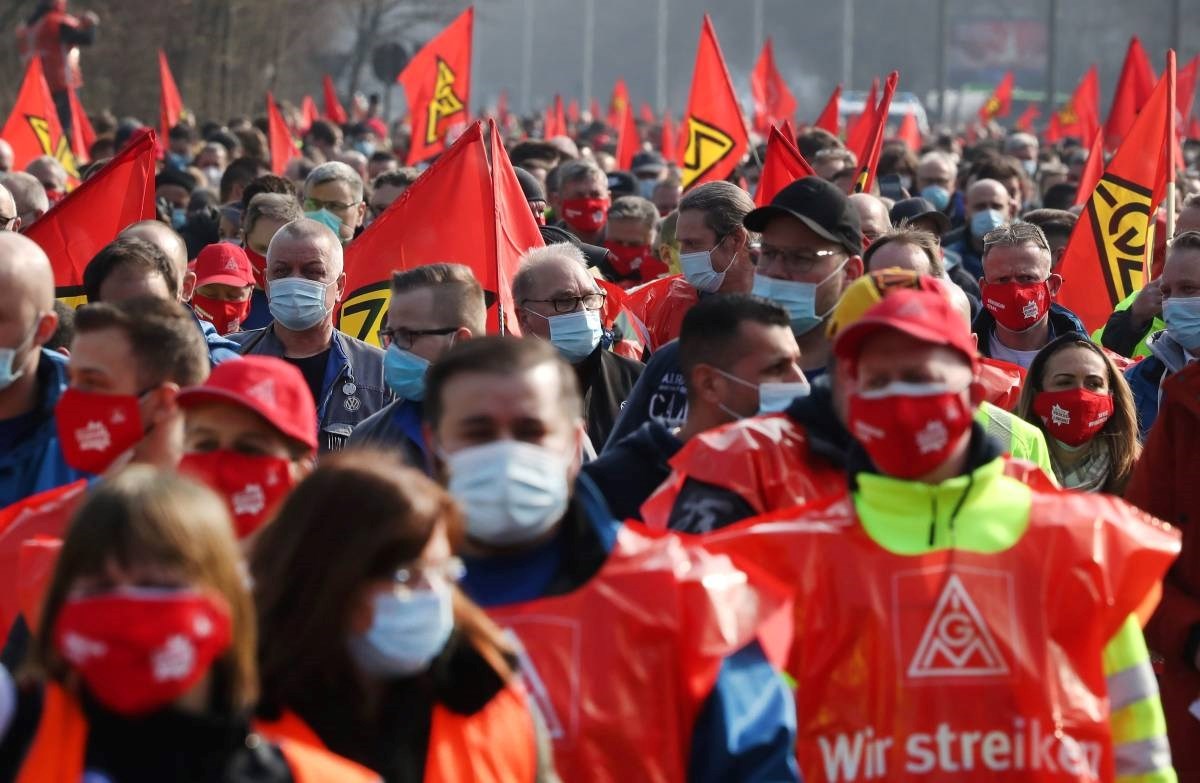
[505, 418]
[31, 379]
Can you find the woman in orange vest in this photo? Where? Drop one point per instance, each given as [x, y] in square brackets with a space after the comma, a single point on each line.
[144, 666]
[367, 646]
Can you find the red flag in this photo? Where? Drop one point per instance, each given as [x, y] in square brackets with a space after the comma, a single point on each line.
[782, 166]
[1108, 251]
[283, 146]
[83, 136]
[594, 110]
[870, 157]
[333, 107]
[646, 114]
[669, 151]
[91, 216]
[405, 235]
[773, 101]
[1093, 169]
[1079, 116]
[1000, 104]
[1133, 90]
[560, 117]
[308, 113]
[716, 132]
[618, 102]
[858, 130]
[629, 143]
[573, 111]
[1027, 118]
[830, 119]
[787, 130]
[33, 128]
[909, 132]
[437, 83]
[502, 108]
[170, 105]
[1185, 91]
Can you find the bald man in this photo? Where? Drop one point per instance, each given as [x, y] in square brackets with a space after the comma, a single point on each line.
[9, 219]
[987, 208]
[31, 379]
[305, 281]
[29, 195]
[52, 175]
[158, 233]
[872, 216]
[6, 156]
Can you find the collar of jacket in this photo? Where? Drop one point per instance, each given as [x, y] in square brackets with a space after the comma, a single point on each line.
[1168, 350]
[1062, 321]
[827, 437]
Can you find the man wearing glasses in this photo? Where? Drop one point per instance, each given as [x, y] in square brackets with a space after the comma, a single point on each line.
[1019, 316]
[557, 300]
[432, 308]
[9, 221]
[333, 194]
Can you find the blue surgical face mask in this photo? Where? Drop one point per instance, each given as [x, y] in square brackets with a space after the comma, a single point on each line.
[329, 220]
[365, 146]
[576, 334]
[799, 299]
[178, 217]
[177, 161]
[297, 303]
[407, 632]
[404, 373]
[987, 220]
[646, 188]
[773, 396]
[936, 195]
[8, 358]
[1182, 315]
[1030, 166]
[698, 271]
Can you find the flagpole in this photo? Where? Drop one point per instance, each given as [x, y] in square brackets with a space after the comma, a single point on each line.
[1171, 142]
[589, 47]
[527, 59]
[661, 69]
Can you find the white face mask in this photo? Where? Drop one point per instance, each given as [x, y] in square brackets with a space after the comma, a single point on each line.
[8, 357]
[773, 396]
[512, 492]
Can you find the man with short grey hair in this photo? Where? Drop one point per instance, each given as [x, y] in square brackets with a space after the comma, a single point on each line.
[305, 281]
[29, 195]
[52, 175]
[333, 195]
[9, 220]
[581, 199]
[558, 300]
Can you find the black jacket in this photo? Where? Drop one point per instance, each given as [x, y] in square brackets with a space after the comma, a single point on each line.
[605, 380]
[1062, 321]
[629, 471]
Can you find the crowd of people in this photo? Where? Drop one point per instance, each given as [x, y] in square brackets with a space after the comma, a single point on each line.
[839, 492]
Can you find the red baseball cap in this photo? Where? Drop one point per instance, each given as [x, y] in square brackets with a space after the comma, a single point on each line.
[270, 387]
[924, 314]
[224, 263]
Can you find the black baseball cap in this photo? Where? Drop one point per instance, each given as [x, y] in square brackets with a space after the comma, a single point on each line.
[531, 186]
[818, 204]
[622, 183]
[910, 209]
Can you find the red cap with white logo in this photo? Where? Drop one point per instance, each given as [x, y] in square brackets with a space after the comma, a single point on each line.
[225, 264]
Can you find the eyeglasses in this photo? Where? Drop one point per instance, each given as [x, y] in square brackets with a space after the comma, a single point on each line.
[569, 304]
[404, 338]
[423, 574]
[316, 205]
[794, 261]
[5, 222]
[1016, 234]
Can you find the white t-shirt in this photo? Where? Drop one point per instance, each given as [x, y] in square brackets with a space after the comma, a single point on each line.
[1011, 355]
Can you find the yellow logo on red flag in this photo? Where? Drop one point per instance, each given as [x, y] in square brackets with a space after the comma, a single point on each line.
[716, 143]
[437, 85]
[707, 145]
[445, 103]
[60, 151]
[1120, 212]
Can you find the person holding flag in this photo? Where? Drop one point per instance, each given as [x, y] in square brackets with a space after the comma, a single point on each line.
[55, 36]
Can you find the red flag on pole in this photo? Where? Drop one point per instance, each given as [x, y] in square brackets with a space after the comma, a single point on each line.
[782, 166]
[1000, 104]
[1079, 116]
[773, 101]
[333, 107]
[870, 157]
[716, 133]
[33, 128]
[629, 143]
[308, 113]
[910, 132]
[437, 83]
[618, 102]
[1027, 118]
[573, 111]
[646, 113]
[1105, 260]
[83, 136]
[1185, 92]
[283, 146]
[515, 229]
[170, 105]
[1093, 169]
[668, 140]
[1133, 90]
[787, 130]
[502, 108]
[858, 130]
[830, 119]
[91, 216]
[560, 117]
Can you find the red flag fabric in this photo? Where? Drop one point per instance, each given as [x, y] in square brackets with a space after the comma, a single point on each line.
[437, 83]
[170, 105]
[829, 118]
[646, 113]
[1133, 90]
[787, 130]
[668, 142]
[858, 130]
[308, 113]
[618, 102]
[629, 143]
[1093, 169]
[573, 111]
[1028, 117]
[91, 216]
[33, 128]
[782, 166]
[594, 110]
[1106, 257]
[773, 101]
[333, 107]
[283, 146]
[83, 136]
[1185, 92]
[1079, 116]
[405, 235]
[870, 157]
[716, 133]
[910, 132]
[554, 123]
[560, 117]
[1000, 104]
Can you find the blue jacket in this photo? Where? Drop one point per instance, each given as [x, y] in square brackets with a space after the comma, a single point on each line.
[395, 427]
[660, 395]
[220, 349]
[34, 463]
[746, 728]
[1145, 378]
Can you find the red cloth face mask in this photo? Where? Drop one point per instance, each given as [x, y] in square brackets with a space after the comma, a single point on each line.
[224, 315]
[587, 215]
[1017, 306]
[138, 650]
[259, 264]
[908, 429]
[1073, 416]
[639, 259]
[94, 429]
[251, 485]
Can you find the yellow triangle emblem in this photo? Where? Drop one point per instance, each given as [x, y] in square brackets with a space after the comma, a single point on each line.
[707, 145]
[1121, 224]
[445, 103]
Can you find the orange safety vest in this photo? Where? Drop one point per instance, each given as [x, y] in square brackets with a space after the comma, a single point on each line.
[620, 667]
[57, 752]
[956, 665]
[495, 745]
